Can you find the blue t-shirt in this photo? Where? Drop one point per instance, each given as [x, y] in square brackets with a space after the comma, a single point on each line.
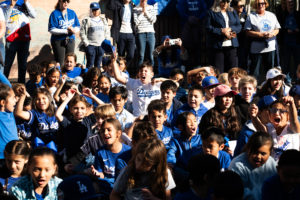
[57, 20]
[77, 71]
[8, 130]
[3, 79]
[32, 86]
[10, 182]
[224, 159]
[43, 126]
[169, 113]
[103, 97]
[105, 160]
[24, 129]
[122, 162]
[38, 196]
[165, 135]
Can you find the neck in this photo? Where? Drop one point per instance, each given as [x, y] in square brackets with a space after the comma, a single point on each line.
[224, 111]
[39, 190]
[160, 128]
[119, 111]
[279, 130]
[15, 175]
[115, 147]
[169, 104]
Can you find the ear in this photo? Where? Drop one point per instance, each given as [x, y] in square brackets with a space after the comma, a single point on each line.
[2, 102]
[221, 147]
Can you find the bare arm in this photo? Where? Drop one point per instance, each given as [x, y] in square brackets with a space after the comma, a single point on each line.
[88, 92]
[295, 125]
[118, 75]
[19, 112]
[57, 92]
[114, 195]
[253, 110]
[61, 108]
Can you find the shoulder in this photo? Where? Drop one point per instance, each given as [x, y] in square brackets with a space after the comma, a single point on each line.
[125, 147]
[239, 163]
[54, 182]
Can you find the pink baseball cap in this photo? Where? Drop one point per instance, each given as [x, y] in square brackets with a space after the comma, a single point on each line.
[222, 90]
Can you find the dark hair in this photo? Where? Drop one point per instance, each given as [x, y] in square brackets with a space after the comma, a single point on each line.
[34, 68]
[257, 140]
[289, 157]
[228, 185]
[234, 3]
[41, 151]
[4, 91]
[103, 76]
[27, 101]
[146, 64]
[203, 167]
[176, 71]
[121, 58]
[57, 4]
[213, 134]
[158, 105]
[278, 101]
[168, 85]
[266, 89]
[116, 124]
[89, 76]
[214, 117]
[143, 130]
[118, 90]
[76, 99]
[49, 72]
[181, 121]
[17, 147]
[71, 54]
[51, 109]
[196, 87]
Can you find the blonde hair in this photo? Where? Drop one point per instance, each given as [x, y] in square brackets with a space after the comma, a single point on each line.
[105, 111]
[236, 71]
[255, 2]
[223, 78]
[216, 6]
[248, 79]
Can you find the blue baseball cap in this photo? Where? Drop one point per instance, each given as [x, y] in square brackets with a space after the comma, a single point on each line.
[107, 46]
[265, 101]
[295, 90]
[209, 81]
[94, 6]
[77, 187]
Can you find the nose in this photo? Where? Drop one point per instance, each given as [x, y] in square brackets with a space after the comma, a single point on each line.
[42, 173]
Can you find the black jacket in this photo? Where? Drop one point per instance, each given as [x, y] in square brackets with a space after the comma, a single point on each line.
[117, 8]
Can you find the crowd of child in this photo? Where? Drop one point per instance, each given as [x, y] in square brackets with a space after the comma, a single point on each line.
[73, 132]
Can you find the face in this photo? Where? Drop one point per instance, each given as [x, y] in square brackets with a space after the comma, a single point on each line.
[278, 115]
[276, 83]
[109, 134]
[167, 96]
[63, 4]
[41, 170]
[145, 75]
[42, 102]
[223, 5]
[226, 102]
[247, 91]
[157, 118]
[297, 101]
[194, 98]
[44, 70]
[178, 78]
[211, 147]
[15, 164]
[199, 77]
[96, 13]
[54, 78]
[260, 157]
[191, 125]
[234, 81]
[70, 63]
[104, 85]
[122, 65]
[9, 103]
[209, 91]
[261, 6]
[289, 176]
[34, 77]
[95, 82]
[79, 110]
[240, 7]
[118, 102]
[140, 164]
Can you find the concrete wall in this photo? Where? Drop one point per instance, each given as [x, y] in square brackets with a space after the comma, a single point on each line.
[40, 49]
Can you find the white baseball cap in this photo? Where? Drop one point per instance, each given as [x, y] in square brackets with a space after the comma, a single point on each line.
[272, 73]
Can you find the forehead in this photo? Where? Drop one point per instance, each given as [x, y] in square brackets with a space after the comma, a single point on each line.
[278, 105]
[118, 96]
[195, 92]
[55, 73]
[247, 85]
[167, 91]
[70, 58]
[80, 104]
[157, 112]
[145, 68]
[190, 117]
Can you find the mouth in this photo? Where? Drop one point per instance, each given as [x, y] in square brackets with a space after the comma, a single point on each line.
[277, 120]
[143, 78]
[41, 181]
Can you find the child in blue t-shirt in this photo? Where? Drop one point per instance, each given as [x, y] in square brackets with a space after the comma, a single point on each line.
[213, 144]
[41, 118]
[104, 85]
[16, 157]
[104, 166]
[70, 68]
[35, 78]
[157, 115]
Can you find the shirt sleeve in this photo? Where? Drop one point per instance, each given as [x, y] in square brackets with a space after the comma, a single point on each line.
[248, 25]
[98, 162]
[171, 183]
[30, 10]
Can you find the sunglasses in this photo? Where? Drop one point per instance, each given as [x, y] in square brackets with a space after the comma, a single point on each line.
[261, 4]
[241, 6]
[275, 110]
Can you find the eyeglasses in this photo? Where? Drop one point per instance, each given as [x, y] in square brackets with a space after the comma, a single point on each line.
[261, 4]
[275, 110]
[241, 6]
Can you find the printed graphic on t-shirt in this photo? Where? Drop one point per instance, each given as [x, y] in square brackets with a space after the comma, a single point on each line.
[265, 25]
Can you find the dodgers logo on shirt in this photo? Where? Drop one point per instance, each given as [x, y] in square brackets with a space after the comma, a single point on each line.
[265, 25]
[147, 93]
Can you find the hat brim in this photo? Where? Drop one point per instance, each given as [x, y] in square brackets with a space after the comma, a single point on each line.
[216, 84]
[283, 75]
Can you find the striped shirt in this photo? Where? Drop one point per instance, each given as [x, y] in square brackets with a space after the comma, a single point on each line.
[144, 21]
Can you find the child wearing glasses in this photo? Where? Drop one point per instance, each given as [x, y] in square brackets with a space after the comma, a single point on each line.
[284, 126]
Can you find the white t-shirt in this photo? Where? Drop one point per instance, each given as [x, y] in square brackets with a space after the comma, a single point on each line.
[286, 140]
[2, 18]
[126, 20]
[226, 43]
[142, 95]
[266, 23]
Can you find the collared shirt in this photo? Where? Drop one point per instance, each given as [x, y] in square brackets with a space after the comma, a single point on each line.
[125, 118]
[24, 189]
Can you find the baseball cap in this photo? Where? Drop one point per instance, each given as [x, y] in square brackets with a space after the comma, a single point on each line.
[265, 101]
[94, 6]
[222, 90]
[209, 81]
[295, 90]
[163, 38]
[272, 73]
[107, 46]
[77, 187]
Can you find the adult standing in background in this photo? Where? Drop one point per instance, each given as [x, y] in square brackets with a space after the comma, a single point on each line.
[144, 18]
[17, 36]
[122, 29]
[2, 32]
[262, 26]
[63, 25]
[223, 25]
[94, 29]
